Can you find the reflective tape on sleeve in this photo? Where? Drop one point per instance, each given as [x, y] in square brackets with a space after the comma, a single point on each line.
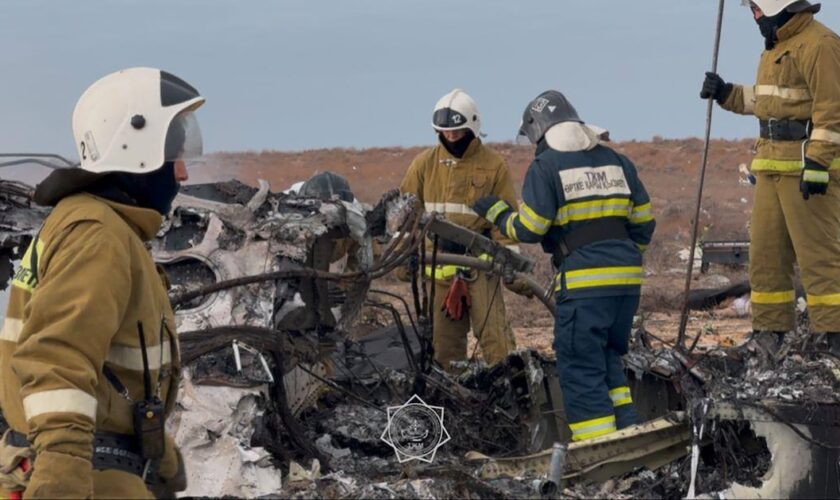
[11, 329]
[621, 396]
[533, 221]
[60, 401]
[801, 94]
[641, 214]
[749, 99]
[825, 135]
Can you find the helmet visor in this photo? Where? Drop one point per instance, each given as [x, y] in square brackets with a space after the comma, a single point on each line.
[183, 139]
[449, 119]
[522, 138]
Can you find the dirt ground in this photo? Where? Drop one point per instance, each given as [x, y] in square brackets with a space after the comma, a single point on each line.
[669, 169]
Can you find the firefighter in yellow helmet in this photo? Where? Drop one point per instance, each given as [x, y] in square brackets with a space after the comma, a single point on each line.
[796, 214]
[447, 179]
[89, 363]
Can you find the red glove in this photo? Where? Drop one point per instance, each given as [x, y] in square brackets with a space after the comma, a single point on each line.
[457, 300]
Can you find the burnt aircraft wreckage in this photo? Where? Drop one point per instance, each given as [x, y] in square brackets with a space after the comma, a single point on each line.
[292, 358]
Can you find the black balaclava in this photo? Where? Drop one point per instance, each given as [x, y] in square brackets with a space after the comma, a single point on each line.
[459, 147]
[769, 25]
[155, 190]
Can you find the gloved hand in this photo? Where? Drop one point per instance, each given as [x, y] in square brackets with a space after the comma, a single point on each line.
[814, 179]
[457, 300]
[491, 207]
[714, 86]
[520, 287]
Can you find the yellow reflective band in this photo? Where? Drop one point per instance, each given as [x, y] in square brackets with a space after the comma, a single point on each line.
[449, 208]
[497, 208]
[773, 297]
[824, 300]
[603, 276]
[26, 278]
[783, 92]
[760, 164]
[749, 99]
[533, 221]
[825, 135]
[596, 209]
[11, 329]
[132, 357]
[510, 229]
[592, 428]
[442, 272]
[641, 214]
[621, 396]
[60, 401]
[809, 175]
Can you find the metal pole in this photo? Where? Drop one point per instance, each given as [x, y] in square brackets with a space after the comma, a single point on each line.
[696, 222]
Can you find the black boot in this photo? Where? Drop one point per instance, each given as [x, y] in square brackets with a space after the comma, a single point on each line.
[833, 339]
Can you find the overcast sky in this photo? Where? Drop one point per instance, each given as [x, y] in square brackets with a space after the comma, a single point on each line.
[301, 74]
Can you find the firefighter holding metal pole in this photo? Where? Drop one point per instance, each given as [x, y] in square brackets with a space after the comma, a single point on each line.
[588, 208]
[796, 214]
[447, 179]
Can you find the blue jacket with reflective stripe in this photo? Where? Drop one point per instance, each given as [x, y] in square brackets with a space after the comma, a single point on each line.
[565, 190]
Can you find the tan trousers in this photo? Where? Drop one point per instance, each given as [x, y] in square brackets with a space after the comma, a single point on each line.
[491, 329]
[786, 229]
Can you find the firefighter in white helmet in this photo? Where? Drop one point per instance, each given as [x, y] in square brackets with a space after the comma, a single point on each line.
[796, 213]
[89, 318]
[447, 179]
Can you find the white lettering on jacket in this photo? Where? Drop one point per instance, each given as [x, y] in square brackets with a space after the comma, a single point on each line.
[593, 181]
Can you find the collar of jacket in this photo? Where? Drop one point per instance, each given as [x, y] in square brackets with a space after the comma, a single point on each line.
[570, 137]
[471, 150]
[144, 221]
[795, 26]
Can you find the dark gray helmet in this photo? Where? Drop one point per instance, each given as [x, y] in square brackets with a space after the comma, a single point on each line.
[548, 109]
[326, 185]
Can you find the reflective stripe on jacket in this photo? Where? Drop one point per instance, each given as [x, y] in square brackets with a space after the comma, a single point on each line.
[797, 79]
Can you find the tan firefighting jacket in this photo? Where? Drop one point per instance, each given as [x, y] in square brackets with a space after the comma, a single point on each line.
[798, 79]
[450, 185]
[74, 306]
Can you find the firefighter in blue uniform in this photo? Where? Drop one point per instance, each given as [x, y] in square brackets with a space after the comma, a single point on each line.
[586, 205]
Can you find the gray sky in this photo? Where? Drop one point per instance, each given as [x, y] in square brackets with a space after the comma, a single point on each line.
[300, 74]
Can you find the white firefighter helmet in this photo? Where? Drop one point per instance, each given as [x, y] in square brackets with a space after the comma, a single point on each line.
[456, 110]
[135, 120]
[772, 7]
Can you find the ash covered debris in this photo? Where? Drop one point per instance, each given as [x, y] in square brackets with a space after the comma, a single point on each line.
[286, 279]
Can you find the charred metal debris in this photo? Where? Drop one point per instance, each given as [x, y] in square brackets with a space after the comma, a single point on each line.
[291, 358]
